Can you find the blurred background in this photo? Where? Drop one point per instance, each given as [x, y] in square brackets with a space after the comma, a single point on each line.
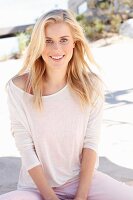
[108, 26]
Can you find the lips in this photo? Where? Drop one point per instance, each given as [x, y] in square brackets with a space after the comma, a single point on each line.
[57, 58]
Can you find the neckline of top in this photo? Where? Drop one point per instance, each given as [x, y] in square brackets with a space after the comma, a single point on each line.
[44, 96]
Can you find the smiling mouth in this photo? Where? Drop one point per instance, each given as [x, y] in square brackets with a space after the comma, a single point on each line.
[57, 58]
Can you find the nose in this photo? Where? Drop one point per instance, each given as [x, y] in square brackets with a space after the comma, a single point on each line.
[56, 45]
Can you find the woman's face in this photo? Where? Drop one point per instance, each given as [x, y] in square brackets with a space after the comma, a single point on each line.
[59, 46]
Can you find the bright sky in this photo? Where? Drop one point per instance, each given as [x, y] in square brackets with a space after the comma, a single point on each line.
[19, 12]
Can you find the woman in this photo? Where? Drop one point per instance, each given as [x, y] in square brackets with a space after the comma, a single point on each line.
[56, 105]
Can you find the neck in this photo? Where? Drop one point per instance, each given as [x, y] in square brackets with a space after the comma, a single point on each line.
[55, 80]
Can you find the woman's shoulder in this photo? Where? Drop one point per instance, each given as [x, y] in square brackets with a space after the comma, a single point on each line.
[20, 81]
[95, 80]
[97, 84]
[17, 84]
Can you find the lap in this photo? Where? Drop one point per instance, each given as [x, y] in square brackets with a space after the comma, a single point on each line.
[103, 187]
[21, 195]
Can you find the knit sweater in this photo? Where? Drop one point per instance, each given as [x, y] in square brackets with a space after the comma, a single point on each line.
[55, 137]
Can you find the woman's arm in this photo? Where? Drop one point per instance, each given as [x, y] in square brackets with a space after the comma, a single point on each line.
[90, 149]
[86, 173]
[25, 144]
[38, 177]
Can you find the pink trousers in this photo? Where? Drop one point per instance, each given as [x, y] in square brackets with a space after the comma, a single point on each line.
[103, 187]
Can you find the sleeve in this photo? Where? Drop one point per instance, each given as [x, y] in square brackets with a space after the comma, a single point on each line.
[93, 129]
[20, 130]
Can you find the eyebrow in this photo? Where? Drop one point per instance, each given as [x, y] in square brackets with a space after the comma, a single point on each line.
[60, 37]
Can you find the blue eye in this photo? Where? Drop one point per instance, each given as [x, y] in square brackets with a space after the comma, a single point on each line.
[64, 41]
[49, 42]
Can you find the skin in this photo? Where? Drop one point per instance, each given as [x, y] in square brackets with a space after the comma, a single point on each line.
[59, 42]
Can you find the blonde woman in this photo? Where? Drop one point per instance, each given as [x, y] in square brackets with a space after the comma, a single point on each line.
[56, 103]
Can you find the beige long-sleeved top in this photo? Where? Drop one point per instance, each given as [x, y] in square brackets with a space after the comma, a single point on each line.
[55, 137]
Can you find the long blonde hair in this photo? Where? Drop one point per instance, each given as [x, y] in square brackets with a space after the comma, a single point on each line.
[80, 78]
